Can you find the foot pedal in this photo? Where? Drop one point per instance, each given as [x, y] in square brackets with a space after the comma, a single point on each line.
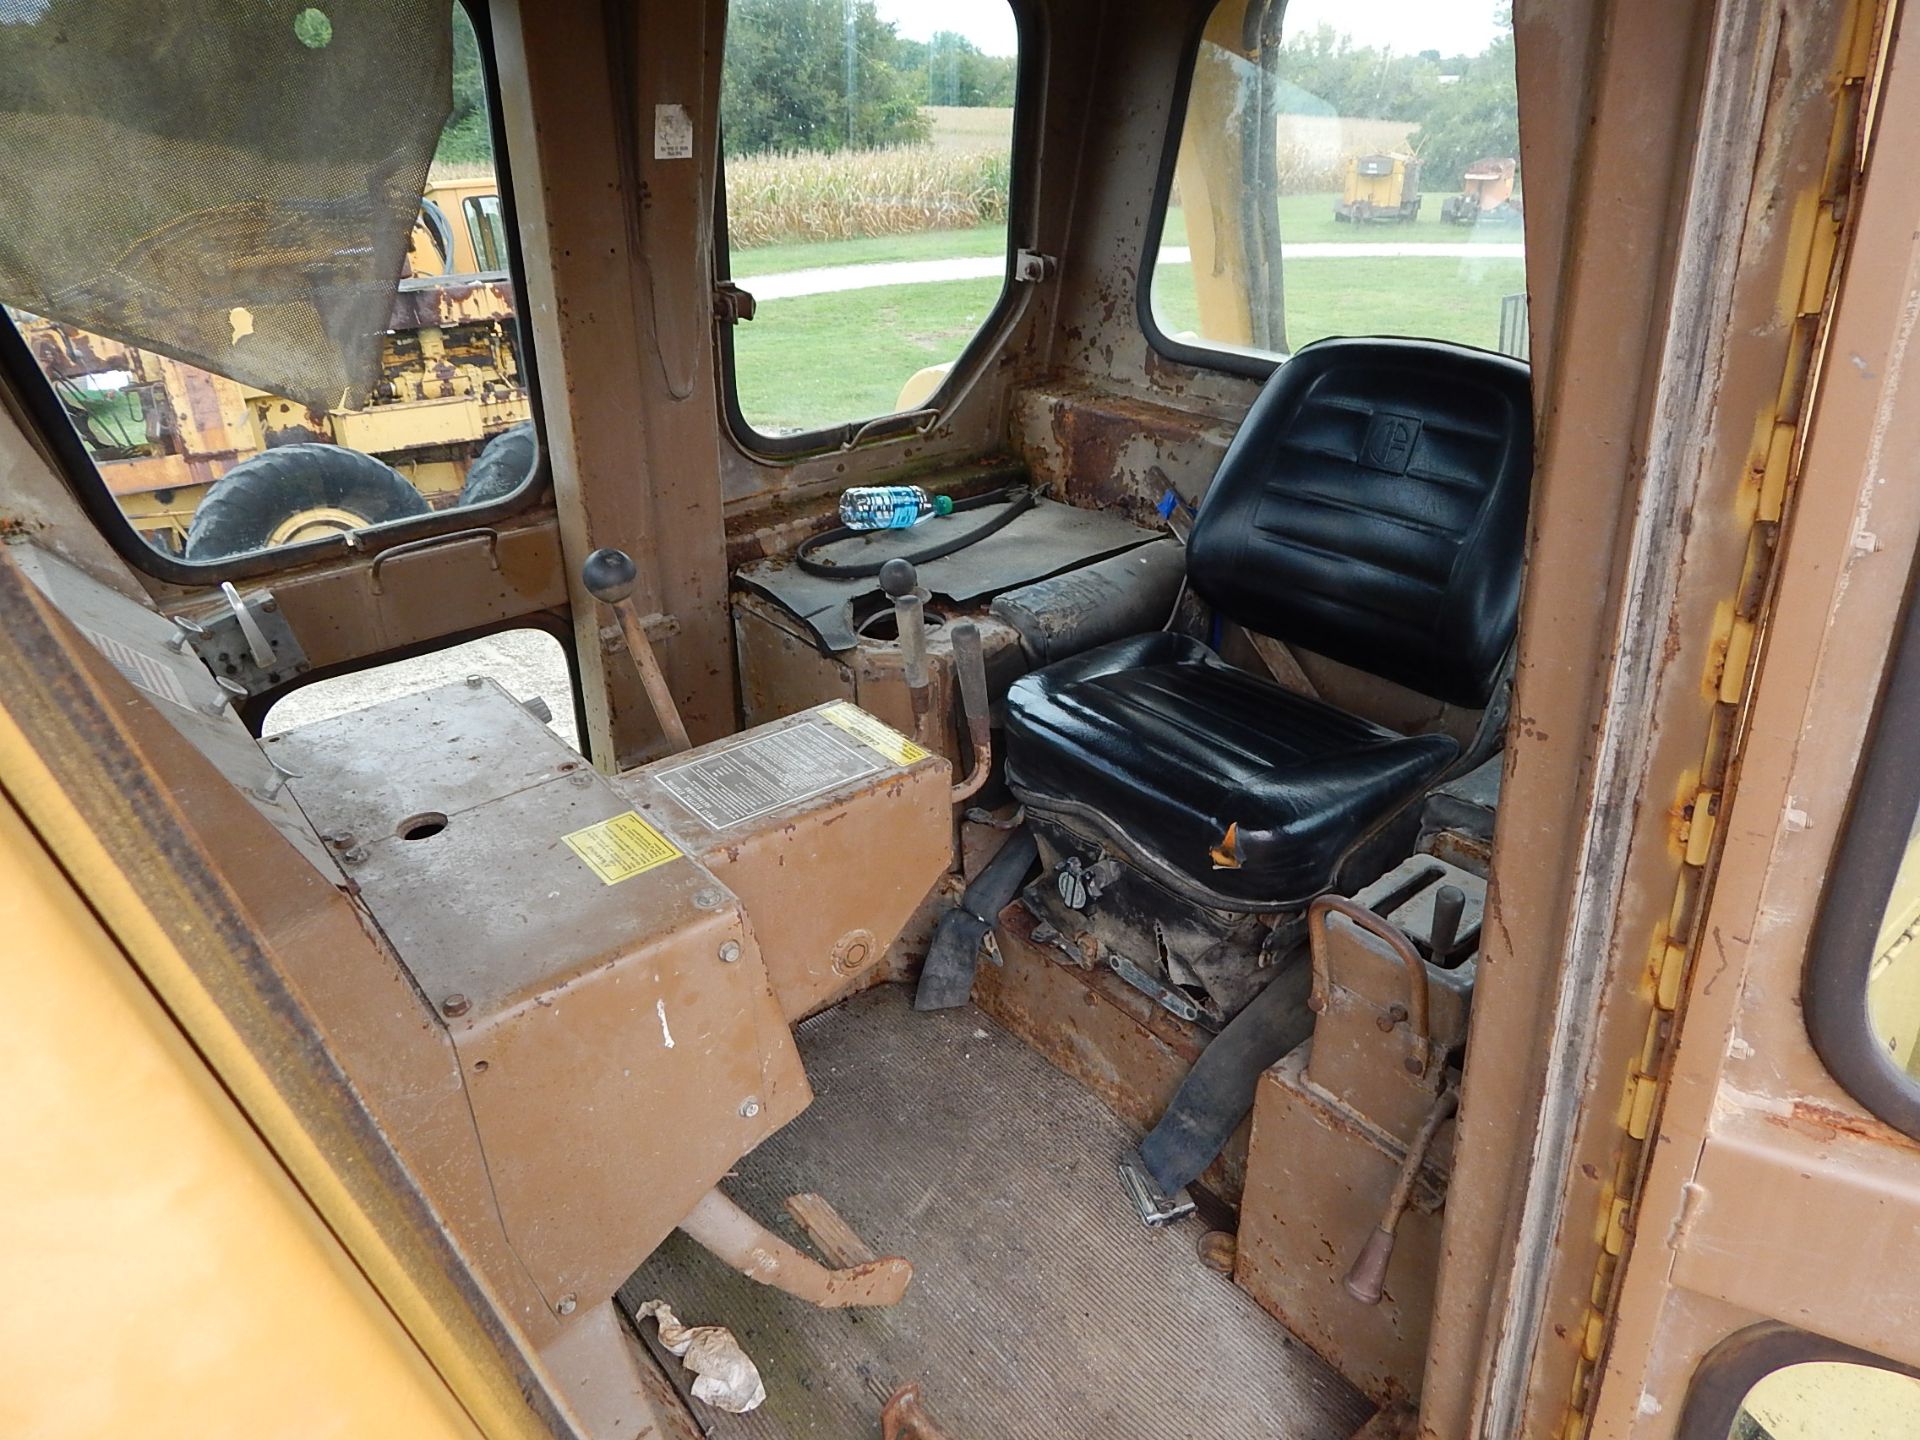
[1155, 1206]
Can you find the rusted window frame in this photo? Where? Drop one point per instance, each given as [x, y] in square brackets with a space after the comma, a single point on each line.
[1203, 357]
[1731, 1369]
[1873, 842]
[50, 422]
[780, 449]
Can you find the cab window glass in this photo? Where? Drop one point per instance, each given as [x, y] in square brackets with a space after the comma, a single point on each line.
[867, 152]
[260, 314]
[530, 665]
[1354, 171]
[1828, 1400]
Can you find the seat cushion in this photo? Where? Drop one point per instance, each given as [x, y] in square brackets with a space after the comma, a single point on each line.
[1164, 745]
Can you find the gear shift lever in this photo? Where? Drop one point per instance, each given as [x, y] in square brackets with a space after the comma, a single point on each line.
[609, 575]
[898, 579]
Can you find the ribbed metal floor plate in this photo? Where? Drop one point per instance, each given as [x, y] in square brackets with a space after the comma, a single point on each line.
[1041, 1309]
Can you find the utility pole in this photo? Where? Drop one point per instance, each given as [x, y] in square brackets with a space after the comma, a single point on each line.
[852, 12]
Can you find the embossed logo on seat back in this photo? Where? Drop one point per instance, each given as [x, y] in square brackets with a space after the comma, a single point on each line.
[1389, 443]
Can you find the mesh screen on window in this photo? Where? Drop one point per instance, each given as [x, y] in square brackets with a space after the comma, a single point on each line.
[1351, 171]
[258, 254]
[867, 152]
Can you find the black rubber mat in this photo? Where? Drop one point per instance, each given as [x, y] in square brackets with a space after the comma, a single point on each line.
[1041, 1309]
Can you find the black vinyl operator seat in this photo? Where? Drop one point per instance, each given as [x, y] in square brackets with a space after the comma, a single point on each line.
[1371, 509]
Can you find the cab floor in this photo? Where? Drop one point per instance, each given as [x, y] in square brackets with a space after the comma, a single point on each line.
[1041, 1309]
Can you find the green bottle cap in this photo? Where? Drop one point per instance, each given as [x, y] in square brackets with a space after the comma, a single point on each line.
[943, 504]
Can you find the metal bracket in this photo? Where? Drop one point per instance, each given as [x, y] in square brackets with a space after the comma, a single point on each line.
[1165, 996]
[731, 304]
[1155, 1206]
[251, 645]
[1030, 267]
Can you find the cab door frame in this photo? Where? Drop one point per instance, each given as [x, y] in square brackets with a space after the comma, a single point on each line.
[1772, 1194]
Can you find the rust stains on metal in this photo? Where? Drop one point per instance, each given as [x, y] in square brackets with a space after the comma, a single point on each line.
[905, 1417]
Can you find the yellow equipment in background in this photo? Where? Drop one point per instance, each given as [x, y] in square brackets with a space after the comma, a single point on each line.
[162, 431]
[1380, 190]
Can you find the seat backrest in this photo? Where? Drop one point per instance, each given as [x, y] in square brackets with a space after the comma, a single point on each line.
[1372, 509]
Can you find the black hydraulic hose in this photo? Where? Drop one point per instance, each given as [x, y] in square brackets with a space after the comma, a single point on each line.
[1019, 500]
[1218, 1091]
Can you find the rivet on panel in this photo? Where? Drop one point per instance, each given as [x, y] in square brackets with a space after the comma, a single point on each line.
[454, 1006]
[706, 900]
[749, 1108]
[730, 951]
[566, 1305]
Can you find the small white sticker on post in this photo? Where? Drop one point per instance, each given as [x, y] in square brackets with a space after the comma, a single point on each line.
[672, 133]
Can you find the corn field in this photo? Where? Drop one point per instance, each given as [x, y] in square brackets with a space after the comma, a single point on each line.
[850, 194]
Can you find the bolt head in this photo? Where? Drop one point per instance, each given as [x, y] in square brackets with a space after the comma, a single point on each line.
[567, 1304]
[749, 1108]
[706, 900]
[580, 780]
[454, 1006]
[474, 682]
[730, 951]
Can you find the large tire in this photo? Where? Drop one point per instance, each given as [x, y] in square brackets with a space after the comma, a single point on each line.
[503, 466]
[249, 506]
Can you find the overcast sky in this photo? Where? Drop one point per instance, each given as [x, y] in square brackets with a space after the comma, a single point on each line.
[1449, 26]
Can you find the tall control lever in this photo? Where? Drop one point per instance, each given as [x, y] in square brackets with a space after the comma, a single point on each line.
[970, 666]
[609, 575]
[902, 584]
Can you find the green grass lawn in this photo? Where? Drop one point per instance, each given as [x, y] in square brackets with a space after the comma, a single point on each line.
[1308, 220]
[1304, 219]
[879, 249]
[817, 361]
[1445, 299]
[821, 360]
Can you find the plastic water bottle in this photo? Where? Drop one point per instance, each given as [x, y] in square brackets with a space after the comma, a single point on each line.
[889, 507]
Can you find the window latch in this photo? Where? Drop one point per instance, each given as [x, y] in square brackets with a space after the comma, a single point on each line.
[1031, 267]
[731, 304]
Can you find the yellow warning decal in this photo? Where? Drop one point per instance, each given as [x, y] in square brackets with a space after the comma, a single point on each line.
[621, 848]
[871, 732]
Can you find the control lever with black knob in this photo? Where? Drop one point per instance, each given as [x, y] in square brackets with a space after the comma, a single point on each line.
[609, 575]
[902, 584]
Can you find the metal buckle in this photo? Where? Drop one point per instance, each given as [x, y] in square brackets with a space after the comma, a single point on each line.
[1155, 1206]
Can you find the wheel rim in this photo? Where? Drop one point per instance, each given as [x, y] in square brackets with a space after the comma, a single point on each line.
[315, 523]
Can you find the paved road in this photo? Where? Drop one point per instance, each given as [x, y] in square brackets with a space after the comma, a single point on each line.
[830, 280]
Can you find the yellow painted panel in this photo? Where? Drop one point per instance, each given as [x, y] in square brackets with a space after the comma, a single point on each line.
[1893, 983]
[1832, 1400]
[164, 1278]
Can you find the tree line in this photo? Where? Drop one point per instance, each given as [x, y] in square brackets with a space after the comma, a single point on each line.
[1464, 107]
[832, 75]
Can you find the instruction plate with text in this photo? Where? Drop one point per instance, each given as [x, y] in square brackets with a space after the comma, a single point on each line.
[766, 774]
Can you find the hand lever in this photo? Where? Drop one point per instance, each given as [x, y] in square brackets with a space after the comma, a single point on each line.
[1449, 905]
[1367, 1280]
[898, 579]
[609, 575]
[970, 665]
